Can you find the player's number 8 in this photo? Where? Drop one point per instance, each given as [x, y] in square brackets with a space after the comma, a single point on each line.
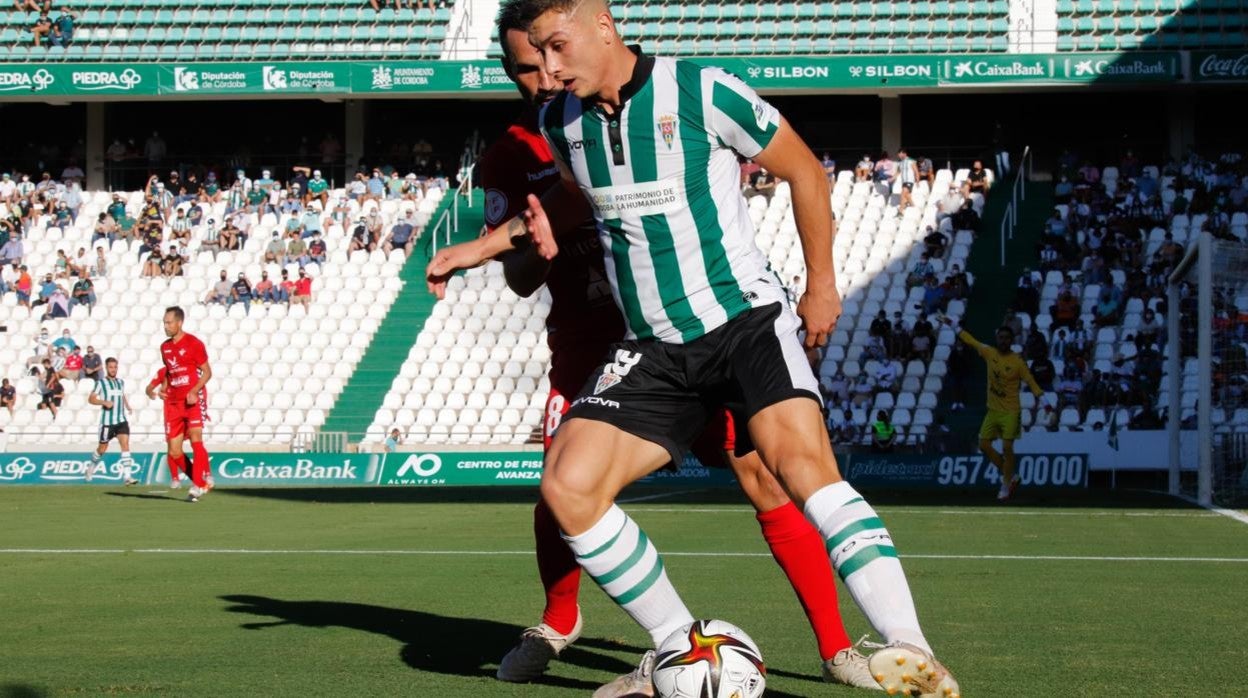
[554, 413]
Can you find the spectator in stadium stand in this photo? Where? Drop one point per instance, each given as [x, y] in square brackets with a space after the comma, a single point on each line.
[883, 170]
[836, 388]
[966, 218]
[296, 251]
[317, 188]
[927, 171]
[303, 289]
[935, 242]
[46, 288]
[863, 391]
[850, 432]
[42, 28]
[92, 364]
[176, 258]
[73, 365]
[275, 251]
[8, 188]
[267, 291]
[976, 180]
[317, 251]
[51, 390]
[286, 287]
[879, 326]
[360, 237]
[12, 251]
[1027, 297]
[83, 292]
[829, 168]
[875, 349]
[1063, 190]
[933, 296]
[1152, 328]
[24, 287]
[883, 433]
[311, 221]
[764, 183]
[959, 371]
[61, 265]
[1108, 306]
[9, 274]
[863, 170]
[357, 188]
[956, 285]
[907, 172]
[1044, 371]
[231, 238]
[240, 292]
[8, 395]
[393, 441]
[899, 339]
[58, 305]
[155, 150]
[920, 345]
[62, 215]
[401, 236]
[921, 270]
[220, 291]
[99, 268]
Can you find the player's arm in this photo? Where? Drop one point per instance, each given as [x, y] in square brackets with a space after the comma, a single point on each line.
[95, 398]
[1025, 372]
[205, 375]
[561, 208]
[789, 158]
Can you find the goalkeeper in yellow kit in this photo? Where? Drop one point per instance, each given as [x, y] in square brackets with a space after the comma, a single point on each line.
[1006, 372]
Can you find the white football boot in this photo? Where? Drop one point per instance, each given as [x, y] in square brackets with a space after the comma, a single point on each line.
[639, 683]
[904, 669]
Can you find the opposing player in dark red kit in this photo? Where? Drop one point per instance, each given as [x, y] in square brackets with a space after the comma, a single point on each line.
[584, 321]
[186, 374]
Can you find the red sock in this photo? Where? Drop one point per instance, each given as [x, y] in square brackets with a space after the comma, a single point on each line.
[556, 564]
[177, 464]
[199, 466]
[799, 549]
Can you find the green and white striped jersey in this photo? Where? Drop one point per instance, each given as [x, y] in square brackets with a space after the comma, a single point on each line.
[663, 180]
[113, 390]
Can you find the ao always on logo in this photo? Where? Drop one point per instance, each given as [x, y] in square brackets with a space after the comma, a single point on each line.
[423, 465]
[615, 371]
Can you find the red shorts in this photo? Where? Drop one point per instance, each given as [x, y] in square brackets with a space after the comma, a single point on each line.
[181, 418]
[569, 373]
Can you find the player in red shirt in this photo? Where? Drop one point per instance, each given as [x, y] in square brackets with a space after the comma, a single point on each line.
[583, 322]
[186, 373]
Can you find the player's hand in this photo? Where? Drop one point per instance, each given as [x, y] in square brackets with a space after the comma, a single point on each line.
[538, 224]
[108, 404]
[449, 260]
[819, 308]
[191, 399]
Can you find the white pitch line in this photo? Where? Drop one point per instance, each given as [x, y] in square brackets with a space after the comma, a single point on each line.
[1217, 511]
[962, 512]
[487, 553]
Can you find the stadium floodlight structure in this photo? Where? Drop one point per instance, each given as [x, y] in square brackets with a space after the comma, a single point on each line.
[1219, 271]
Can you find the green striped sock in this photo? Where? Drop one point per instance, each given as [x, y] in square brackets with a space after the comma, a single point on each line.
[862, 553]
[619, 556]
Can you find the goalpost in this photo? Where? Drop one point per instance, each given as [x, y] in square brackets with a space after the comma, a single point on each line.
[1208, 368]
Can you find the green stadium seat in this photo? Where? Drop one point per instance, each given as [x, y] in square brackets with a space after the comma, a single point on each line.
[1065, 43]
[1108, 42]
[999, 43]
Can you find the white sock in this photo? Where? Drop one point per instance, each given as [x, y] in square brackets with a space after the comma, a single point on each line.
[863, 555]
[626, 565]
[125, 455]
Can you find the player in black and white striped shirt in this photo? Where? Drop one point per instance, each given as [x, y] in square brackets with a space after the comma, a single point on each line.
[110, 394]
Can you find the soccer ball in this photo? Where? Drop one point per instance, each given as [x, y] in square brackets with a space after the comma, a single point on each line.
[709, 659]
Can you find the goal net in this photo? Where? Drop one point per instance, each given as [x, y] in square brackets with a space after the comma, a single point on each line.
[1208, 381]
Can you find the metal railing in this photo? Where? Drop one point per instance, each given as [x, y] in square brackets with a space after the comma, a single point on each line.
[1018, 194]
[450, 217]
[320, 442]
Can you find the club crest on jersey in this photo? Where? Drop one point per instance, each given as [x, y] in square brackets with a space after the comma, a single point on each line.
[615, 371]
[667, 129]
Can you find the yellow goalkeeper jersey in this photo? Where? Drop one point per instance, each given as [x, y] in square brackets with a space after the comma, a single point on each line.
[1006, 372]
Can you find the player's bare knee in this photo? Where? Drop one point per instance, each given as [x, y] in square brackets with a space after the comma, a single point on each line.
[985, 445]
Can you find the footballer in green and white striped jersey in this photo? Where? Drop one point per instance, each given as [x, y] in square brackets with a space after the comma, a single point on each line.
[112, 390]
[663, 180]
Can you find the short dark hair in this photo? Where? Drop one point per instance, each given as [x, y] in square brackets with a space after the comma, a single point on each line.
[523, 12]
[177, 312]
[507, 20]
[110, 360]
[1006, 329]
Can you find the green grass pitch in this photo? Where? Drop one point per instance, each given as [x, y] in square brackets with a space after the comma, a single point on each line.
[401, 592]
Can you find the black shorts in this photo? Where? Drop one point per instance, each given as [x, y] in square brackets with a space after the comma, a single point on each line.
[666, 393]
[908, 186]
[108, 433]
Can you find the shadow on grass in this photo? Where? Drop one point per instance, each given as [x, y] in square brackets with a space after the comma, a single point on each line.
[441, 644]
[139, 495]
[21, 690]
